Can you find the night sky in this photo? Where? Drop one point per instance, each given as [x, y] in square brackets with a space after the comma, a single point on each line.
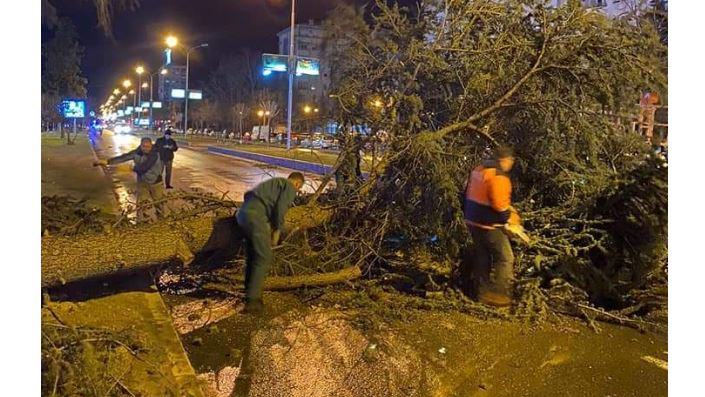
[138, 36]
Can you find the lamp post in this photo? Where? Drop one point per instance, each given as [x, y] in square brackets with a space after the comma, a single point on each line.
[151, 93]
[292, 66]
[186, 95]
[139, 70]
[171, 42]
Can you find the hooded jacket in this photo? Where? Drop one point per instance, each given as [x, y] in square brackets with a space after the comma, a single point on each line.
[148, 167]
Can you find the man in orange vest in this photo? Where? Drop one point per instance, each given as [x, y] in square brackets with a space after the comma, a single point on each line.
[488, 211]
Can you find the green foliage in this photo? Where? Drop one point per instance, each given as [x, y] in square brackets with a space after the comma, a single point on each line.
[61, 63]
[448, 81]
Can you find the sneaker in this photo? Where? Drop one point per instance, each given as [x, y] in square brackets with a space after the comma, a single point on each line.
[494, 299]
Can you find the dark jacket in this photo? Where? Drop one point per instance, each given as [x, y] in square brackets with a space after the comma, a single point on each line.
[166, 148]
[148, 167]
[276, 196]
[488, 196]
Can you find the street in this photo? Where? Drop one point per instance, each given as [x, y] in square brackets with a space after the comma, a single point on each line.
[193, 169]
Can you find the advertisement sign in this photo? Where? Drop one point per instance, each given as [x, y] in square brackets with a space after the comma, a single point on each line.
[129, 108]
[308, 66]
[145, 104]
[157, 105]
[274, 63]
[195, 94]
[178, 93]
[73, 108]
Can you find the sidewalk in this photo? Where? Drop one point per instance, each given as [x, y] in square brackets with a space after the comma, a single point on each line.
[68, 170]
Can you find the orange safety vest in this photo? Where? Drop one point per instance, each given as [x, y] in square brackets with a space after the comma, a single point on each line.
[488, 193]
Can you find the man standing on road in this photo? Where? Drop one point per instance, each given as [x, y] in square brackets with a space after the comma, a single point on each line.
[167, 147]
[261, 220]
[148, 167]
[488, 212]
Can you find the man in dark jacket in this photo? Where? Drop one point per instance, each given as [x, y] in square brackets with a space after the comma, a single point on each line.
[167, 147]
[148, 167]
[261, 220]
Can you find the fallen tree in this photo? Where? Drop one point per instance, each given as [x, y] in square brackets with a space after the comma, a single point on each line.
[233, 282]
[71, 258]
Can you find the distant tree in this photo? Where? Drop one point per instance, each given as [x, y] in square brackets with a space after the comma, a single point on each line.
[239, 114]
[104, 12]
[61, 64]
[657, 14]
[61, 67]
[50, 110]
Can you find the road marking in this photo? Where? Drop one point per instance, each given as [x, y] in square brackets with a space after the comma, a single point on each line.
[656, 361]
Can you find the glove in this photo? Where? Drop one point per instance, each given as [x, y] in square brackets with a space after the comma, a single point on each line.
[517, 231]
[100, 162]
[275, 237]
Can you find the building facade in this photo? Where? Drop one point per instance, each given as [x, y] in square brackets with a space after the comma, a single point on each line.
[308, 43]
[175, 78]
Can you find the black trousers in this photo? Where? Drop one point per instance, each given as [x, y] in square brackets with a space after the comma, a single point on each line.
[493, 254]
[167, 168]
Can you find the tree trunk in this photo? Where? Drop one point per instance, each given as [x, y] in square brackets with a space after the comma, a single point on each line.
[279, 283]
[66, 259]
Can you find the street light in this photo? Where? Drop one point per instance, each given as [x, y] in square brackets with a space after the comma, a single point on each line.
[291, 68]
[171, 41]
[151, 92]
[126, 83]
[307, 109]
[116, 91]
[188, 52]
[139, 70]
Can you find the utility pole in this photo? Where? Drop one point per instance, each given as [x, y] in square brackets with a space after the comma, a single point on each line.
[292, 66]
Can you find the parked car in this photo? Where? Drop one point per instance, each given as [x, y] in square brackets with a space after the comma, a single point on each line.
[122, 128]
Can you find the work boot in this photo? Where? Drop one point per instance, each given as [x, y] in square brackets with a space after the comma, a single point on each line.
[255, 306]
[494, 299]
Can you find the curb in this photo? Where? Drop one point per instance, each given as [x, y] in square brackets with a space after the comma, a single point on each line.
[297, 165]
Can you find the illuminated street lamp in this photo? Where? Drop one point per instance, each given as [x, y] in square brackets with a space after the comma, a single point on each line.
[139, 70]
[172, 41]
[126, 83]
[315, 110]
[116, 91]
[162, 71]
[307, 109]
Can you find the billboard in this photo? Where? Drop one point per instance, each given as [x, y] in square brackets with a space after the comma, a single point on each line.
[178, 93]
[274, 63]
[73, 108]
[308, 66]
[195, 94]
[157, 105]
